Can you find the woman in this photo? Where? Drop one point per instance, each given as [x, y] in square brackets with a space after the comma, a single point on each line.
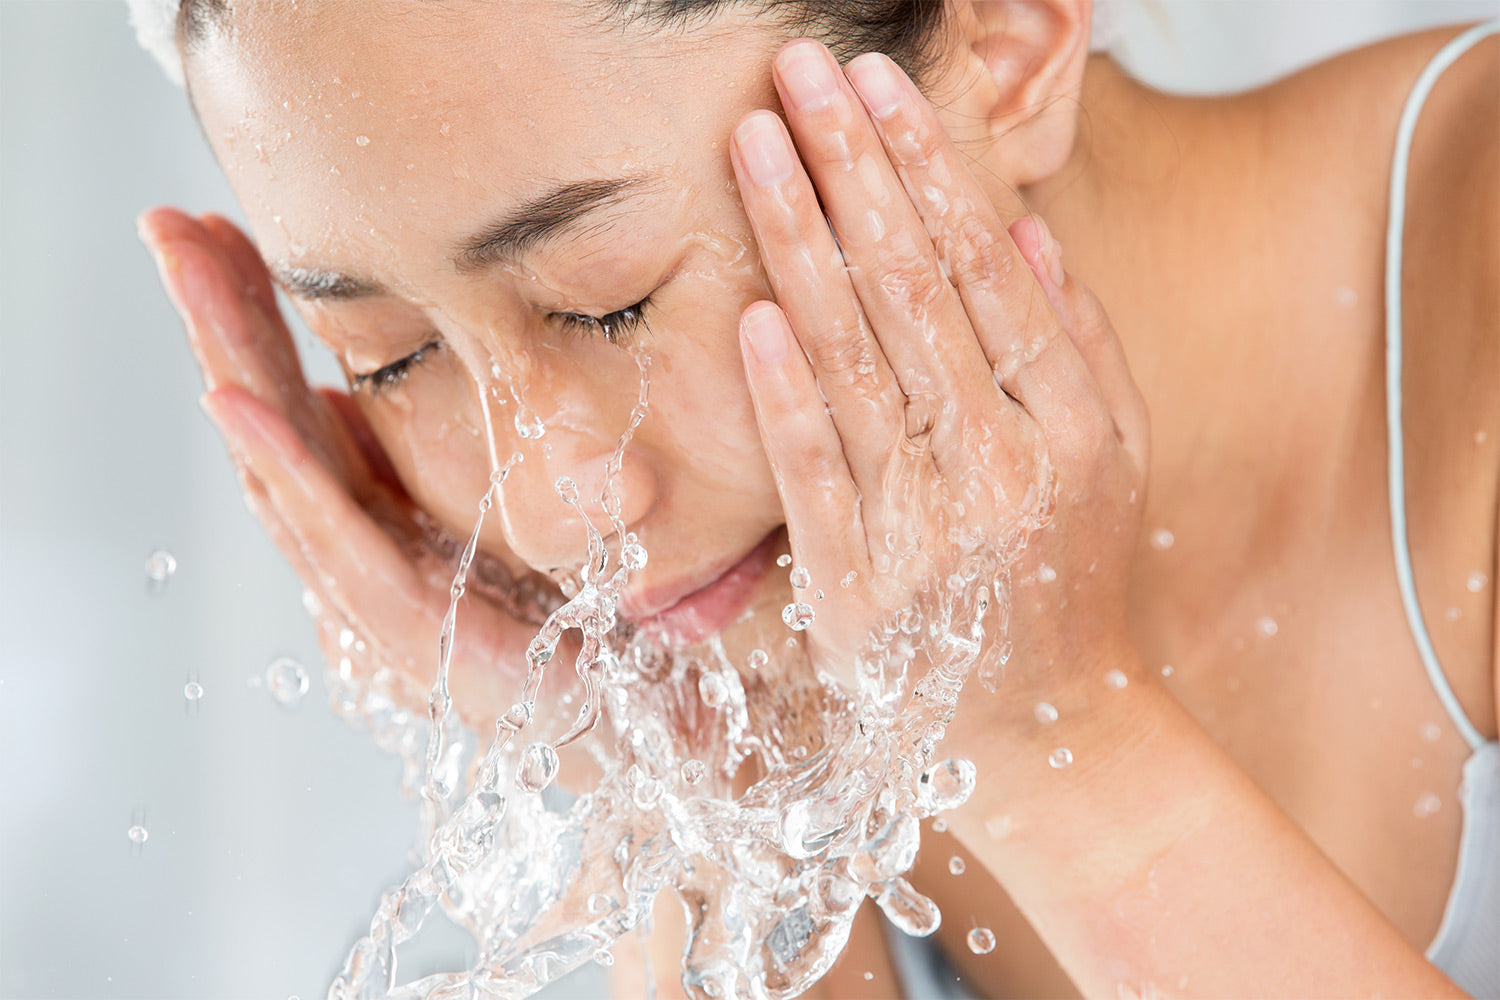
[532, 200]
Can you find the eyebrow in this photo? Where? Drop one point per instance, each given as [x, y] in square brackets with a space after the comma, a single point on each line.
[529, 226]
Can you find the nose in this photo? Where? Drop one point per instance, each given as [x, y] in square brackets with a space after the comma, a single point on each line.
[541, 526]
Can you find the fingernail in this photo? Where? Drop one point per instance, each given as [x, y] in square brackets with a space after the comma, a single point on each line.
[1052, 254]
[764, 149]
[807, 71]
[763, 331]
[874, 76]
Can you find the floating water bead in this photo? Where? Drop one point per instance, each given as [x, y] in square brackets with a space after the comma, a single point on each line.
[138, 834]
[956, 865]
[713, 690]
[192, 690]
[800, 578]
[1045, 712]
[1060, 758]
[160, 565]
[758, 658]
[981, 940]
[537, 768]
[784, 560]
[567, 489]
[286, 679]
[693, 771]
[797, 615]
[633, 555]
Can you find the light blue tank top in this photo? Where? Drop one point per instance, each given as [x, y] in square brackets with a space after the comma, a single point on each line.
[1467, 946]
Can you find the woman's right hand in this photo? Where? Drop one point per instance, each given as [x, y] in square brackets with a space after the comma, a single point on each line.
[378, 568]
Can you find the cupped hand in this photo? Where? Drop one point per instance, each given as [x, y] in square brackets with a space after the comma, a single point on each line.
[931, 383]
[377, 568]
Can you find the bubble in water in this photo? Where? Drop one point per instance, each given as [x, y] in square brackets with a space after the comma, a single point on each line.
[1162, 539]
[192, 690]
[1266, 626]
[693, 771]
[981, 940]
[783, 560]
[1427, 804]
[713, 690]
[1060, 758]
[758, 658]
[1045, 573]
[537, 768]
[1476, 582]
[361, 140]
[286, 679]
[956, 865]
[600, 903]
[1116, 680]
[567, 489]
[138, 834]
[1045, 712]
[800, 578]
[797, 615]
[604, 958]
[160, 565]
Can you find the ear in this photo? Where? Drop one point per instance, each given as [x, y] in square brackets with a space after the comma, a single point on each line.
[1023, 74]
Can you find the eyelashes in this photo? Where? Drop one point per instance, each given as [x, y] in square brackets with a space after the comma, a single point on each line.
[613, 328]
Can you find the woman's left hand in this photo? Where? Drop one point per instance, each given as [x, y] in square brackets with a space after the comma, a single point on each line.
[932, 381]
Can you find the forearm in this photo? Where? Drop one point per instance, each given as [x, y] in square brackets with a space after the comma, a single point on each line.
[1153, 865]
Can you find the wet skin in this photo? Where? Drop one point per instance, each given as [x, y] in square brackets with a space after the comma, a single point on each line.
[700, 495]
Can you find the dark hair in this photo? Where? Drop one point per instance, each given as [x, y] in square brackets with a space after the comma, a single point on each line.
[906, 30]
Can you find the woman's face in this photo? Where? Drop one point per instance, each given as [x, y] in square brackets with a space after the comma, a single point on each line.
[450, 190]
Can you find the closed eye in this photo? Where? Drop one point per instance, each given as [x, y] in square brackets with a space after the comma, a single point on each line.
[392, 375]
[613, 327]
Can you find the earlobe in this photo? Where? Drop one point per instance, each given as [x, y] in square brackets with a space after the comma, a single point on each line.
[1030, 55]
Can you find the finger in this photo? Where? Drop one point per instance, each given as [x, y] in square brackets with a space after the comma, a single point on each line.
[381, 472]
[818, 495]
[807, 273]
[915, 312]
[1088, 328]
[255, 280]
[1023, 342]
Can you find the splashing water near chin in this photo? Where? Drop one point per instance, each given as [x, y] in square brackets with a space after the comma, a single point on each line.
[771, 874]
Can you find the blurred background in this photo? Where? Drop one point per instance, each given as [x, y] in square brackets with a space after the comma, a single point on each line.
[270, 829]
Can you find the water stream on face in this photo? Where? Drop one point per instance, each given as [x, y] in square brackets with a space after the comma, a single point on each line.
[770, 875]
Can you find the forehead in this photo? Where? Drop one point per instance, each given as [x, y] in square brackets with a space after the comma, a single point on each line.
[380, 117]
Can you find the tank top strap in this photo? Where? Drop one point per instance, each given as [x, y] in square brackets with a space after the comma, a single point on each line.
[1396, 468]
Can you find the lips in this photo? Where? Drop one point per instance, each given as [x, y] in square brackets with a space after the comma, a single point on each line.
[692, 609]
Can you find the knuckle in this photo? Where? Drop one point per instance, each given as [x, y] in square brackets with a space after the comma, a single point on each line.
[975, 254]
[843, 358]
[912, 281]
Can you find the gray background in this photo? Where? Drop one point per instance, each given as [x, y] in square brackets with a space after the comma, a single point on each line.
[272, 831]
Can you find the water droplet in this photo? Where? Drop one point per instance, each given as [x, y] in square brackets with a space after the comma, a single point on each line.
[848, 579]
[600, 903]
[517, 718]
[137, 834]
[1427, 803]
[693, 771]
[1116, 680]
[1432, 732]
[981, 940]
[940, 825]
[797, 615]
[869, 976]
[947, 785]
[1162, 539]
[1045, 712]
[909, 621]
[1167, 670]
[713, 690]
[192, 690]
[1476, 582]
[604, 958]
[311, 604]
[567, 489]
[800, 578]
[999, 826]
[1453, 614]
[286, 679]
[818, 594]
[160, 565]
[784, 560]
[1045, 573]
[647, 792]
[633, 554]
[537, 768]
[528, 429]
[956, 865]
[346, 639]
[1060, 758]
[758, 658]
[361, 140]
[1266, 626]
